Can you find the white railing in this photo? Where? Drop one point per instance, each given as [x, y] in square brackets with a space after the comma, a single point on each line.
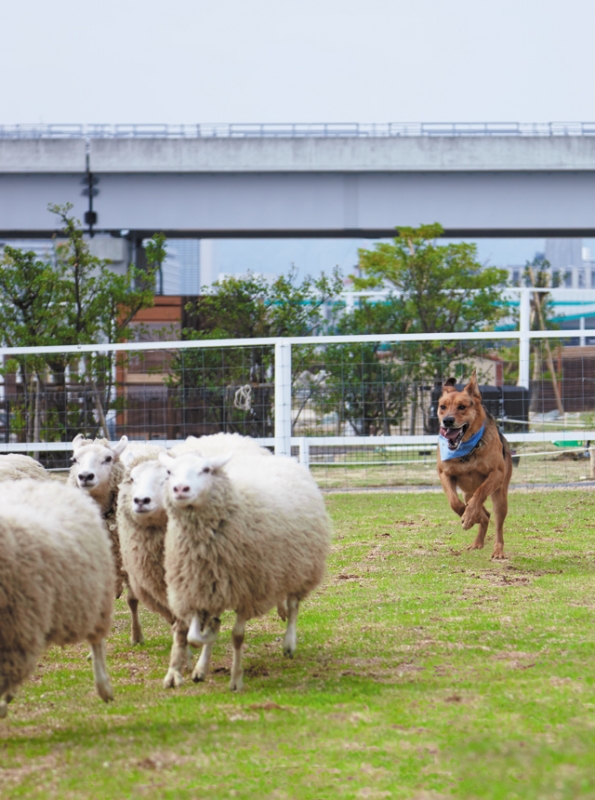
[283, 437]
[295, 130]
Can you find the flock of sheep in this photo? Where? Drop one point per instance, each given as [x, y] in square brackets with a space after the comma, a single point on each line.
[213, 524]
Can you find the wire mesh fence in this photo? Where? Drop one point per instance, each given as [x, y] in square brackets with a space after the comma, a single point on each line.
[359, 411]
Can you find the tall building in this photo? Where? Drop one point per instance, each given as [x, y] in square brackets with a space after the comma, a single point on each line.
[569, 260]
[188, 254]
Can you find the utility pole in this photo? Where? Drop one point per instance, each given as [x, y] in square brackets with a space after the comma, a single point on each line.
[90, 191]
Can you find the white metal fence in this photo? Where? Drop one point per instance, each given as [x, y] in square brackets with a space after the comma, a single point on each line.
[356, 416]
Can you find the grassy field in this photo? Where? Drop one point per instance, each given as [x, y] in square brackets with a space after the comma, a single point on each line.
[539, 463]
[423, 671]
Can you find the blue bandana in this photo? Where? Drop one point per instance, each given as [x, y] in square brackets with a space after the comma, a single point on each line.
[463, 449]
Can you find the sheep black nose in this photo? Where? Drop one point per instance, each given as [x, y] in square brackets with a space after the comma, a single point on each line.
[448, 421]
[85, 477]
[142, 501]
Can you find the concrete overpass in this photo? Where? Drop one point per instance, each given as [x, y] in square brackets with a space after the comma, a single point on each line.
[352, 184]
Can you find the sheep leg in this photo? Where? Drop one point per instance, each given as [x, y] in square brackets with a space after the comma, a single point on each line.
[136, 634]
[102, 681]
[282, 609]
[203, 629]
[290, 640]
[178, 658]
[4, 701]
[202, 665]
[237, 637]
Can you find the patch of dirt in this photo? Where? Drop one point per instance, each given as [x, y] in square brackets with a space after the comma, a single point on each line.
[268, 706]
[256, 671]
[164, 760]
[16, 774]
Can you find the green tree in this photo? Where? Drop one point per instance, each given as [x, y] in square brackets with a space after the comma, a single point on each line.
[232, 388]
[365, 384]
[156, 251]
[78, 300]
[442, 288]
[29, 291]
[539, 274]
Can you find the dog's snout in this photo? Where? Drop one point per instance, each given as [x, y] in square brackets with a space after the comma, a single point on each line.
[448, 421]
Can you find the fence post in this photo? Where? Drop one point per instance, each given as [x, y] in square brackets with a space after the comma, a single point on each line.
[304, 457]
[282, 398]
[524, 340]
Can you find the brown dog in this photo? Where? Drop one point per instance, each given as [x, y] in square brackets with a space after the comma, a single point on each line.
[484, 467]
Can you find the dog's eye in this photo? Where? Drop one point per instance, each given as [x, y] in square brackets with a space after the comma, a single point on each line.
[462, 408]
[442, 408]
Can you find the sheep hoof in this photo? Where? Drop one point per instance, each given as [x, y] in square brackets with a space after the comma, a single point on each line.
[173, 679]
[139, 639]
[289, 646]
[198, 676]
[3, 709]
[105, 691]
[237, 684]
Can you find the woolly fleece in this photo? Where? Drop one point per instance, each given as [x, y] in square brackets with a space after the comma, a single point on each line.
[263, 534]
[56, 574]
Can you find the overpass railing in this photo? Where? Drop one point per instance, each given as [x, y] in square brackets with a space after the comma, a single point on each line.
[295, 130]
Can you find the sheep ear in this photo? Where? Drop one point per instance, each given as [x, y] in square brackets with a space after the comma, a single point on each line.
[127, 457]
[78, 440]
[219, 461]
[121, 446]
[166, 460]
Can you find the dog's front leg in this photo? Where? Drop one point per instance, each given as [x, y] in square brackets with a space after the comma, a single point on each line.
[450, 488]
[474, 508]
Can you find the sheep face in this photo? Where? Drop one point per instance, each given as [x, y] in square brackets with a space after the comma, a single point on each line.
[147, 491]
[190, 477]
[93, 462]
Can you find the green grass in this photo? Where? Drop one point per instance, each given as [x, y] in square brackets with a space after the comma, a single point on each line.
[423, 671]
[540, 463]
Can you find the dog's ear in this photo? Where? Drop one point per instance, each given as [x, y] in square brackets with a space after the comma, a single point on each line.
[472, 388]
[449, 385]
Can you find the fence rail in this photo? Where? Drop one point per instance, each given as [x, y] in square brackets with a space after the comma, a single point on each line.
[359, 405]
[295, 130]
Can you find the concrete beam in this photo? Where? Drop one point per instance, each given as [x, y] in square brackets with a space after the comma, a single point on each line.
[42, 155]
[345, 154]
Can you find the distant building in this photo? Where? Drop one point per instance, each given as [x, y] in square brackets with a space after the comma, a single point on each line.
[569, 260]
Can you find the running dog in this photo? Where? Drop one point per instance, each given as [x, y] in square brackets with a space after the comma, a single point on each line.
[473, 456]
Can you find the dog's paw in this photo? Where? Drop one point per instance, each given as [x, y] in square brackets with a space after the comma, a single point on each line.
[475, 546]
[498, 552]
[470, 518]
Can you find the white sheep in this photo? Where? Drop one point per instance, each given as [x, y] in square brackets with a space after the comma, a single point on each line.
[15, 466]
[246, 538]
[218, 444]
[142, 522]
[56, 579]
[97, 469]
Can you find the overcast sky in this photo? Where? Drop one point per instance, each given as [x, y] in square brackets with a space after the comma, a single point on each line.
[308, 61]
